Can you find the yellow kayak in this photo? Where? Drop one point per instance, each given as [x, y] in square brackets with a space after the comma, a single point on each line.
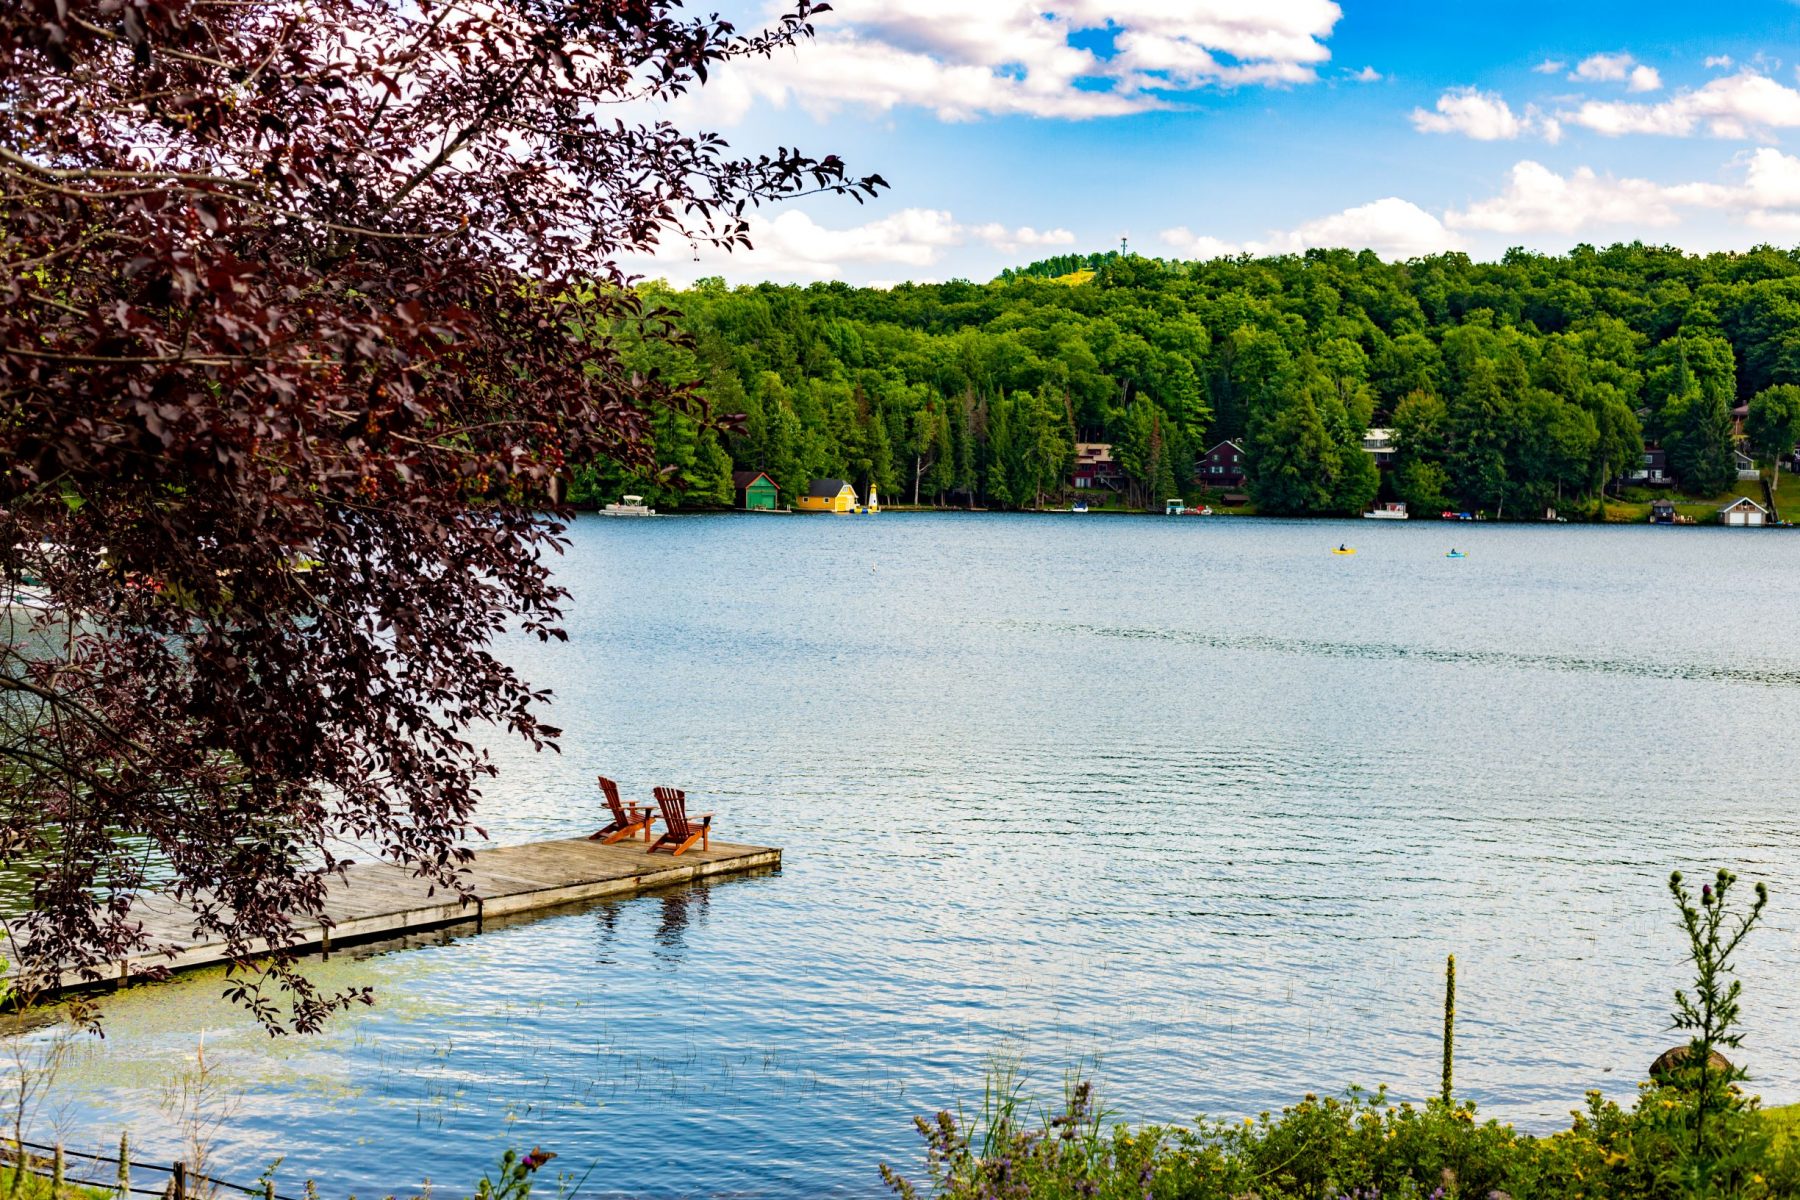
[1343, 550]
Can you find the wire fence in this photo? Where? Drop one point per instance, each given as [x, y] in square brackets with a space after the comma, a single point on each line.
[177, 1181]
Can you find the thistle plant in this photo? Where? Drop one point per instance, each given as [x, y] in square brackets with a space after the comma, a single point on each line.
[516, 1171]
[1710, 1012]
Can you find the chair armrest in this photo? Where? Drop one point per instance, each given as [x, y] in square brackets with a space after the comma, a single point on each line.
[705, 820]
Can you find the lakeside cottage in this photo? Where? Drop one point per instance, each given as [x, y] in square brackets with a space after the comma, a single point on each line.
[1095, 467]
[1743, 512]
[1654, 470]
[828, 495]
[1221, 468]
[756, 492]
[1379, 445]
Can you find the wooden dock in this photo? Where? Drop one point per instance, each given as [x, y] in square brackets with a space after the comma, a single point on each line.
[378, 901]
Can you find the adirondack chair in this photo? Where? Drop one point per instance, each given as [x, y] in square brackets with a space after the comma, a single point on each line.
[628, 819]
[680, 831]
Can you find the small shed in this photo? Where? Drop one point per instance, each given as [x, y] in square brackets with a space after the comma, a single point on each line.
[828, 495]
[1743, 511]
[1662, 512]
[756, 492]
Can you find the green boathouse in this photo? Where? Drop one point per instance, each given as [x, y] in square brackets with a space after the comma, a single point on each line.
[756, 491]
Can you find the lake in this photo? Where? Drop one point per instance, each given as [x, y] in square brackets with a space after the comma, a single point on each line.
[1190, 804]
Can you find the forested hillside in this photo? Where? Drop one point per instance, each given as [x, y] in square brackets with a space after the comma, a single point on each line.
[1514, 385]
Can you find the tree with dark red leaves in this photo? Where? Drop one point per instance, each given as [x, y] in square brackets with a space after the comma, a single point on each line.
[297, 333]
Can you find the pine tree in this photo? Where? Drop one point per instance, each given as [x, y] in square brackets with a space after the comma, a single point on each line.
[1291, 458]
[880, 453]
[1162, 472]
[1708, 448]
[710, 484]
[1478, 421]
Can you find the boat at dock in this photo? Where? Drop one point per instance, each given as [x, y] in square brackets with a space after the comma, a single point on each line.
[1392, 511]
[630, 506]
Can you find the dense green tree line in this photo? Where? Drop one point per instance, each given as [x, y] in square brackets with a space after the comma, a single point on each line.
[1511, 386]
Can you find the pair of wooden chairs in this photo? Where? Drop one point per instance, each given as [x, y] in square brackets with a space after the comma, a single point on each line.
[680, 830]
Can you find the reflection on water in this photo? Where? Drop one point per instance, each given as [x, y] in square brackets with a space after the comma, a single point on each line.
[1193, 799]
[678, 909]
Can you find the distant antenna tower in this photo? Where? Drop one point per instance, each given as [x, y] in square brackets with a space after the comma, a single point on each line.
[1124, 246]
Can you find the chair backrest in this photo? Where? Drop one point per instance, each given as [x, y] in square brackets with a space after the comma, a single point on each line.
[673, 802]
[612, 798]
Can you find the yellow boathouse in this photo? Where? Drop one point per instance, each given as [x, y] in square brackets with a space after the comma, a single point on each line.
[828, 495]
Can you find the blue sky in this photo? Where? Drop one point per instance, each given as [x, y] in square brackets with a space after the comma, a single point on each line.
[1011, 131]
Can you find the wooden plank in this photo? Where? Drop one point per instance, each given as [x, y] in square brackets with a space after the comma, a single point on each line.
[379, 899]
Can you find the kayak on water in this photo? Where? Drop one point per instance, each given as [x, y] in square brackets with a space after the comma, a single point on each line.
[1456, 554]
[1344, 550]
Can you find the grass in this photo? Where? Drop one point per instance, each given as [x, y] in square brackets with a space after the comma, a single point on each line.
[37, 1187]
[1705, 510]
[1786, 1122]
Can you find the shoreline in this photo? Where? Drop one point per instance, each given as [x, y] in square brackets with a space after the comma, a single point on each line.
[1614, 521]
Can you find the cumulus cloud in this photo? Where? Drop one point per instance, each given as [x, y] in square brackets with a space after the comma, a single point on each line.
[1617, 68]
[792, 245]
[963, 60]
[1550, 66]
[1734, 106]
[1484, 116]
[1025, 237]
[1367, 75]
[1188, 244]
[1719, 62]
[1771, 180]
[1391, 227]
[1539, 200]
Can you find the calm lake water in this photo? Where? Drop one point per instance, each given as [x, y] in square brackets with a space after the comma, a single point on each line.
[1191, 802]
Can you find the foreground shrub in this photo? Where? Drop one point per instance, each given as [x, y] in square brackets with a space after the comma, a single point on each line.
[1358, 1147]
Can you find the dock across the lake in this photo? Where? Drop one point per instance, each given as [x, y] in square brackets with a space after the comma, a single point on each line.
[377, 900]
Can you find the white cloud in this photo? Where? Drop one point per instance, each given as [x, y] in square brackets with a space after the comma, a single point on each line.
[963, 59]
[1392, 227]
[1367, 75]
[1539, 200]
[1773, 179]
[1735, 106]
[1189, 244]
[1009, 240]
[1610, 68]
[1722, 62]
[1484, 116]
[792, 245]
[1550, 66]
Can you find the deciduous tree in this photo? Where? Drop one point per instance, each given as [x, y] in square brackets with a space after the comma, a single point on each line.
[295, 341]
